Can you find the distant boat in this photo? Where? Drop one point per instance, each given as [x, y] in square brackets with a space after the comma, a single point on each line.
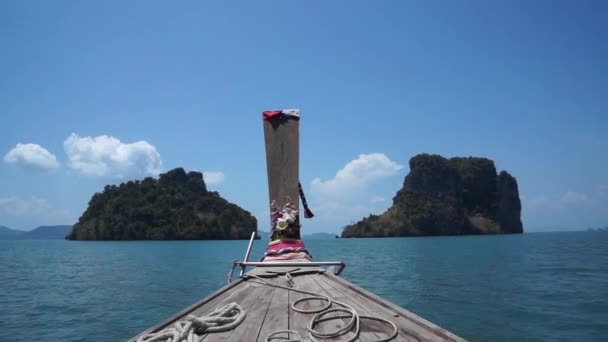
[291, 298]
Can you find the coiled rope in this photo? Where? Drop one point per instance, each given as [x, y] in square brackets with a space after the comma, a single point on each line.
[346, 311]
[221, 319]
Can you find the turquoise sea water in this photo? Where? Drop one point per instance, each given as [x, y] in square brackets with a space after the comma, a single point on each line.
[531, 287]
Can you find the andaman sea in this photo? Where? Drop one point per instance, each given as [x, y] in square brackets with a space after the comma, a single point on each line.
[530, 287]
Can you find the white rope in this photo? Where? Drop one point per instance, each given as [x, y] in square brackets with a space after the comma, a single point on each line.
[273, 336]
[347, 310]
[220, 319]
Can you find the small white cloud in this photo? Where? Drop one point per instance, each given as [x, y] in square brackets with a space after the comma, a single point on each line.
[14, 206]
[377, 199]
[31, 156]
[572, 197]
[213, 177]
[107, 156]
[535, 201]
[356, 174]
[339, 213]
[556, 201]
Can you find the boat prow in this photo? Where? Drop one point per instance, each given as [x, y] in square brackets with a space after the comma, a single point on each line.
[287, 300]
[273, 299]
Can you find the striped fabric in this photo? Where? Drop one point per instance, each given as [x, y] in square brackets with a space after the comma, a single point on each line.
[285, 247]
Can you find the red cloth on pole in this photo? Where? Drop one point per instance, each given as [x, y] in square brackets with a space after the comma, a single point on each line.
[269, 114]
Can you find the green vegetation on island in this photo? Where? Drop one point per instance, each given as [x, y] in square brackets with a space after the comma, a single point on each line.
[441, 196]
[176, 206]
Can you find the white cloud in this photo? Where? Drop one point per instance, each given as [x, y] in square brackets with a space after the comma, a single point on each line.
[31, 156]
[340, 213]
[535, 201]
[555, 201]
[356, 174]
[348, 196]
[213, 177]
[14, 206]
[107, 156]
[377, 199]
[572, 197]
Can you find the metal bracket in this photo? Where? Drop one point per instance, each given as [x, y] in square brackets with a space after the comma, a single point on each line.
[341, 265]
[243, 264]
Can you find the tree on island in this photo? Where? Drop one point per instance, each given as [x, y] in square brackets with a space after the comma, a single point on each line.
[176, 206]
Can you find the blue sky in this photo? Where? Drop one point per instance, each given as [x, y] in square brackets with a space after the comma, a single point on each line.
[102, 92]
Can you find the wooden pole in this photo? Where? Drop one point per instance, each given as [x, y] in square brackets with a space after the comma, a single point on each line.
[281, 137]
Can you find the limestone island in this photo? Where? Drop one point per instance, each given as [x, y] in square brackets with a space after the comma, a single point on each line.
[176, 206]
[440, 196]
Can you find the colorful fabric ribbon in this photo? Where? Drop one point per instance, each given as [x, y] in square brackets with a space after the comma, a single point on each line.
[285, 247]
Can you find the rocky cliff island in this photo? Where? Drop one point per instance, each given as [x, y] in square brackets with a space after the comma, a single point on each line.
[441, 196]
[176, 206]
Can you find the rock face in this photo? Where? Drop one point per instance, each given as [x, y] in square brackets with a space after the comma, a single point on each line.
[442, 196]
[177, 206]
[509, 205]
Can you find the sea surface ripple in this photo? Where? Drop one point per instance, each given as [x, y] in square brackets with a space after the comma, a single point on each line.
[530, 287]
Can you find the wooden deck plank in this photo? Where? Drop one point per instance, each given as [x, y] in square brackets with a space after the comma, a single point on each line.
[413, 327]
[237, 295]
[277, 314]
[328, 326]
[269, 309]
[298, 321]
[252, 304]
[248, 301]
[408, 330]
[255, 316]
[366, 334]
[368, 308]
[221, 294]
